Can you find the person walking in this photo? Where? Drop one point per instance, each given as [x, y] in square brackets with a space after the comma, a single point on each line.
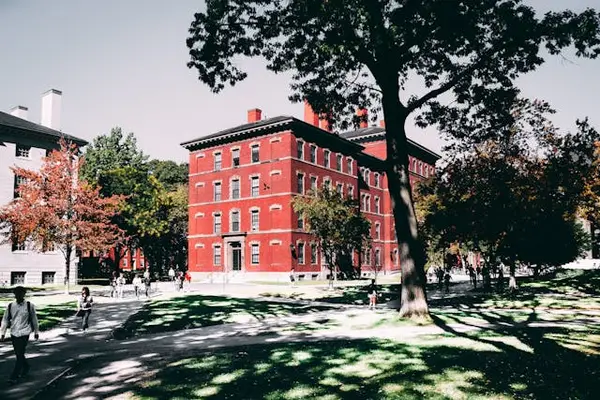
[293, 277]
[137, 286]
[121, 284]
[372, 294]
[172, 276]
[113, 285]
[447, 278]
[84, 307]
[22, 319]
[147, 283]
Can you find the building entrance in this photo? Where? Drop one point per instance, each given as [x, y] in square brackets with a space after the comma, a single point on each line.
[236, 256]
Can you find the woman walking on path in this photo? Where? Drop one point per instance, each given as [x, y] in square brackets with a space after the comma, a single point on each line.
[121, 285]
[84, 307]
[137, 286]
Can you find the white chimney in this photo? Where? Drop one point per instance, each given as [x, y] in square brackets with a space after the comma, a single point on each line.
[19, 111]
[51, 104]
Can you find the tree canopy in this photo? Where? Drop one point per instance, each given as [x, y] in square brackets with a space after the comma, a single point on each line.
[55, 210]
[517, 198]
[451, 65]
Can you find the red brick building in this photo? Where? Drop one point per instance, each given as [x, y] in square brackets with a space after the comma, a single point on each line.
[242, 181]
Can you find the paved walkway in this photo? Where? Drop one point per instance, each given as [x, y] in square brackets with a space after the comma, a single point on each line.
[56, 348]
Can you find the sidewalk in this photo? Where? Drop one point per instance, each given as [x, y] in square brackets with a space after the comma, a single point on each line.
[57, 348]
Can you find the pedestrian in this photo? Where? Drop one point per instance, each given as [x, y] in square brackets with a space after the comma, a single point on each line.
[113, 285]
[293, 277]
[500, 280]
[171, 274]
[447, 279]
[180, 280]
[84, 307]
[473, 277]
[147, 283]
[20, 316]
[137, 286]
[121, 284]
[372, 294]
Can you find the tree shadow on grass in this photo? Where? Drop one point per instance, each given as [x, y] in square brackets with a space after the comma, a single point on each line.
[199, 311]
[434, 367]
[52, 315]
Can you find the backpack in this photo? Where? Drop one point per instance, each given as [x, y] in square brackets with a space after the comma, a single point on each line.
[28, 314]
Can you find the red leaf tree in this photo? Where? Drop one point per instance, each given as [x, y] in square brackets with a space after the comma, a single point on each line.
[54, 209]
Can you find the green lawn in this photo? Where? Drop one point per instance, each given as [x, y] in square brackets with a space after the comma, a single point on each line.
[527, 364]
[53, 314]
[572, 289]
[196, 311]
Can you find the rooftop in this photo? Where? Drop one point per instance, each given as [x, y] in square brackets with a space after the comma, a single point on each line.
[23, 126]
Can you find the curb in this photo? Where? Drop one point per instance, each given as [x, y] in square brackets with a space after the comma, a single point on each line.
[38, 394]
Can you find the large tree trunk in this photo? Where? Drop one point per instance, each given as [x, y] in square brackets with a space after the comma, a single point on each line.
[68, 253]
[413, 299]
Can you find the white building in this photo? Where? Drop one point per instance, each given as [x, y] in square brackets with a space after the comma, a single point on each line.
[24, 144]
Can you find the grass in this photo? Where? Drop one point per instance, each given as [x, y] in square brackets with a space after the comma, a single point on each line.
[531, 364]
[573, 289]
[51, 315]
[195, 311]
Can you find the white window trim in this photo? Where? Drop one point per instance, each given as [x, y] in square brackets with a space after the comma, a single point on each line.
[275, 207]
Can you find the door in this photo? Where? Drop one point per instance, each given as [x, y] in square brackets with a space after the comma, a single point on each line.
[236, 256]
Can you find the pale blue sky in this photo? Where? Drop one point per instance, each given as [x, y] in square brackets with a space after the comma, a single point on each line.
[124, 63]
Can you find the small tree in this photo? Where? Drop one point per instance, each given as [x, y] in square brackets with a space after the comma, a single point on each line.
[54, 209]
[338, 225]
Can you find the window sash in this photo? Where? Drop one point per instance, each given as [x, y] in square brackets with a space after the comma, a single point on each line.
[235, 189]
[255, 252]
[217, 255]
[218, 192]
[254, 192]
[218, 162]
[255, 154]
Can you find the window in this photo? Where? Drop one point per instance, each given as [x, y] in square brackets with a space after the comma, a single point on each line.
[396, 258]
[22, 151]
[327, 156]
[217, 256]
[218, 162]
[217, 223]
[313, 183]
[17, 278]
[48, 278]
[366, 173]
[217, 191]
[19, 180]
[300, 253]
[18, 246]
[420, 168]
[377, 206]
[124, 263]
[300, 221]
[376, 179]
[377, 231]
[235, 221]
[133, 263]
[300, 184]
[378, 257]
[339, 162]
[340, 189]
[255, 253]
[235, 157]
[349, 165]
[255, 153]
[235, 189]
[313, 253]
[313, 153]
[327, 183]
[254, 220]
[368, 203]
[368, 256]
[350, 192]
[300, 148]
[254, 190]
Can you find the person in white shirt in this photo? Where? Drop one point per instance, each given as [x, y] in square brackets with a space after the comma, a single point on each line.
[20, 316]
[137, 286]
[121, 285]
